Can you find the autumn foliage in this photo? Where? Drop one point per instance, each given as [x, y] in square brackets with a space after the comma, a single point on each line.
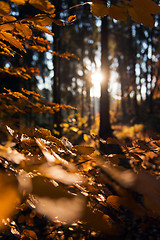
[49, 187]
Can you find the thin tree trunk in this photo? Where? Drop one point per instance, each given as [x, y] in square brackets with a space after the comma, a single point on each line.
[56, 63]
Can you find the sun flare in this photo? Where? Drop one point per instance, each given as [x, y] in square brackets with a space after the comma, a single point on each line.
[96, 78]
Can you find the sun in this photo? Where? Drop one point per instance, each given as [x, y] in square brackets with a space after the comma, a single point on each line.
[96, 79]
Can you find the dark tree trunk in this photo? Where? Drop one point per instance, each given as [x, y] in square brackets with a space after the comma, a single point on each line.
[105, 126]
[105, 129]
[56, 65]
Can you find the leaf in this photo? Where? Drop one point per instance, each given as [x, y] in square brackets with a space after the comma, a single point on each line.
[28, 234]
[147, 5]
[43, 29]
[12, 40]
[4, 8]
[72, 18]
[7, 27]
[83, 150]
[23, 30]
[19, 2]
[58, 22]
[118, 12]
[9, 197]
[114, 201]
[99, 9]
[40, 19]
[43, 5]
[141, 11]
[141, 16]
[149, 186]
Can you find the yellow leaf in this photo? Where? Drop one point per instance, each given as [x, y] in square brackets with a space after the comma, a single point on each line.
[4, 8]
[12, 40]
[72, 18]
[99, 9]
[8, 18]
[43, 5]
[118, 12]
[23, 30]
[19, 2]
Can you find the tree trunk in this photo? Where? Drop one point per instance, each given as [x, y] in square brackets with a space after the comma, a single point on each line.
[105, 126]
[56, 64]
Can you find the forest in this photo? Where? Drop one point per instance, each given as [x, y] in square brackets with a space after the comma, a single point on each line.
[79, 119]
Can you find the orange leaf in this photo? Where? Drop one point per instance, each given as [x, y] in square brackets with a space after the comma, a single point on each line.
[43, 5]
[40, 19]
[12, 40]
[4, 8]
[19, 2]
[72, 18]
[23, 30]
[43, 29]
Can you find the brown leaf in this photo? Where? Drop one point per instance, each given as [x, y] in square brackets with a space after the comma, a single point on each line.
[118, 12]
[83, 150]
[99, 9]
[28, 234]
[58, 22]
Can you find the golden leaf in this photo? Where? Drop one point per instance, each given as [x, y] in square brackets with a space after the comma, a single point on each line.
[7, 27]
[40, 19]
[4, 8]
[99, 9]
[12, 40]
[44, 29]
[43, 5]
[72, 18]
[23, 30]
[19, 2]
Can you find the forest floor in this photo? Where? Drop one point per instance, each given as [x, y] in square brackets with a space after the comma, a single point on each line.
[128, 214]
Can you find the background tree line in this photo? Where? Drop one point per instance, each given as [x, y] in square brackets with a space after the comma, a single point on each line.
[128, 48]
